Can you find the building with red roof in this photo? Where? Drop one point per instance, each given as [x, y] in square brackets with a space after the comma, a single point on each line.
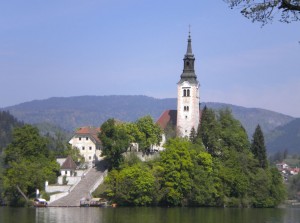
[86, 140]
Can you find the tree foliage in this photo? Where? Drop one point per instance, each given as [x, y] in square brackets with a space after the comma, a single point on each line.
[216, 168]
[133, 185]
[117, 137]
[258, 147]
[7, 124]
[28, 164]
[209, 131]
[27, 142]
[177, 165]
[265, 11]
[115, 141]
[151, 132]
[294, 187]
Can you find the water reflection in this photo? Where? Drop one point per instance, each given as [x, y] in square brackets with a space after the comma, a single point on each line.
[17, 215]
[74, 215]
[148, 215]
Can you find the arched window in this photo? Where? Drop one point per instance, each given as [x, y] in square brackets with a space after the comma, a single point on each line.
[186, 108]
[188, 92]
[184, 93]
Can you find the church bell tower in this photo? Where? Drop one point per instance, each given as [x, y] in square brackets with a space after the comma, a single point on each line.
[188, 98]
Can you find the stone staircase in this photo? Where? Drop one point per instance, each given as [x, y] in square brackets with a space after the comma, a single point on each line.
[83, 188]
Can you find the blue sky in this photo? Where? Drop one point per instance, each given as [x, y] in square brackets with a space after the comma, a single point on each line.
[63, 48]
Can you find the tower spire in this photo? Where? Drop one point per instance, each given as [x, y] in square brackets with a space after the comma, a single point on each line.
[189, 47]
[188, 97]
[189, 59]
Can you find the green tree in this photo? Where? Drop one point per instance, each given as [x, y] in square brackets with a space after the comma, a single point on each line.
[28, 164]
[205, 182]
[236, 161]
[151, 133]
[115, 141]
[268, 189]
[209, 131]
[133, 132]
[233, 135]
[193, 135]
[235, 170]
[132, 185]
[264, 11]
[28, 143]
[1, 177]
[258, 147]
[221, 171]
[278, 190]
[177, 165]
[293, 187]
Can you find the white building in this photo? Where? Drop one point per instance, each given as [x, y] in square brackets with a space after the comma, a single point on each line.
[86, 140]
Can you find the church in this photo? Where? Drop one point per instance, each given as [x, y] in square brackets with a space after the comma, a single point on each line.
[184, 119]
[187, 115]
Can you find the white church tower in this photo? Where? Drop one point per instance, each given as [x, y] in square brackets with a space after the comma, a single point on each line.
[188, 98]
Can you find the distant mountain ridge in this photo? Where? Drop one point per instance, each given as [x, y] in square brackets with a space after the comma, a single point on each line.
[285, 137]
[72, 112]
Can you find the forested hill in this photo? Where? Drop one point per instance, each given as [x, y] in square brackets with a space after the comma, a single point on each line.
[286, 137]
[7, 124]
[73, 112]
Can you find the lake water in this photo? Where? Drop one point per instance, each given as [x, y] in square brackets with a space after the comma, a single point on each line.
[148, 215]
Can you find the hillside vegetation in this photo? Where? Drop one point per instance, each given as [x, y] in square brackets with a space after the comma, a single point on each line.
[7, 124]
[73, 112]
[286, 137]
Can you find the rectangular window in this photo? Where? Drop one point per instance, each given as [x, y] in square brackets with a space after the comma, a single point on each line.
[83, 148]
[87, 138]
[90, 157]
[79, 138]
[90, 148]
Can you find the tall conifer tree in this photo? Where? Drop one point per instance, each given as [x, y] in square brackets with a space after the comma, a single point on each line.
[258, 147]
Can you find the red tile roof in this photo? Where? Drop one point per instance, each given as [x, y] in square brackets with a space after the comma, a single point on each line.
[89, 131]
[167, 117]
